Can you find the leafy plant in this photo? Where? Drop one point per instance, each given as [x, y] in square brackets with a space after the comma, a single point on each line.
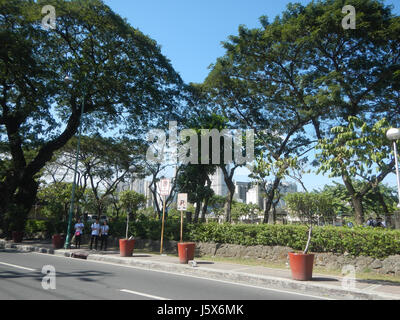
[309, 207]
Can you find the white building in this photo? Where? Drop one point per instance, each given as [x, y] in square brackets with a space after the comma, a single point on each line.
[241, 189]
[218, 183]
[256, 195]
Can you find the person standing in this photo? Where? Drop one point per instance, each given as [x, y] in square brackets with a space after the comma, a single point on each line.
[78, 233]
[104, 235]
[371, 222]
[95, 234]
[380, 223]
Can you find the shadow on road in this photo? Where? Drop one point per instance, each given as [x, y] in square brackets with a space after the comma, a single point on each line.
[324, 279]
[84, 275]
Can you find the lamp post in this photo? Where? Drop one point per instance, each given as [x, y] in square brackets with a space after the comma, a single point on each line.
[393, 134]
[67, 245]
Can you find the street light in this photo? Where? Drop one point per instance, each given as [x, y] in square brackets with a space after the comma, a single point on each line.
[394, 134]
[67, 245]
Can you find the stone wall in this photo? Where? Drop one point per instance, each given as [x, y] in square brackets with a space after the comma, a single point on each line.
[278, 254]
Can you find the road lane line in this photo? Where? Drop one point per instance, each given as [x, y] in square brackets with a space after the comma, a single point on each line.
[321, 297]
[144, 294]
[15, 266]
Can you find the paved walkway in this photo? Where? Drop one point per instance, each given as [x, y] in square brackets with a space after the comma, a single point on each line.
[327, 285]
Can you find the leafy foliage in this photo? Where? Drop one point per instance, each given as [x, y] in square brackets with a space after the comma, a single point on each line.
[311, 207]
[355, 241]
[121, 79]
[357, 151]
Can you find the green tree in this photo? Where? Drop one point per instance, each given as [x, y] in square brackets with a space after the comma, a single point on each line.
[132, 201]
[55, 199]
[310, 208]
[240, 209]
[304, 70]
[124, 79]
[357, 151]
[258, 83]
[106, 162]
[194, 180]
[379, 201]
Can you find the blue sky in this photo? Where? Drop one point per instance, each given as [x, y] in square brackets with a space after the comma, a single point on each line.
[190, 34]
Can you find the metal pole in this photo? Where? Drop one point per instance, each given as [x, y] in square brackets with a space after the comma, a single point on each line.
[397, 172]
[71, 207]
[162, 227]
[181, 225]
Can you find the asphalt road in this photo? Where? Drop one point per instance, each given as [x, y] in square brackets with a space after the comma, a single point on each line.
[21, 278]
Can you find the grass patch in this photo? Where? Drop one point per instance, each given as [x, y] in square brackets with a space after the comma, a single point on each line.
[366, 274]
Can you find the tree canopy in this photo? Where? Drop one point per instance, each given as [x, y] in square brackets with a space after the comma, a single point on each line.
[119, 75]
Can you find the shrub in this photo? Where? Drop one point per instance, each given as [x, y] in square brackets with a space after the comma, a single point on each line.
[34, 227]
[358, 241]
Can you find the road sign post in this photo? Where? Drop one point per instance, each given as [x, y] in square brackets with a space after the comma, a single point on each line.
[164, 191]
[182, 206]
[162, 227]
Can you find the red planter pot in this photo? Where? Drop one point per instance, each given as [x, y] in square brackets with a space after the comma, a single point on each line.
[58, 241]
[126, 247]
[17, 236]
[301, 265]
[186, 251]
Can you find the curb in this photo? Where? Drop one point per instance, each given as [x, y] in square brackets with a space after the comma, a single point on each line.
[4, 245]
[233, 276]
[249, 279]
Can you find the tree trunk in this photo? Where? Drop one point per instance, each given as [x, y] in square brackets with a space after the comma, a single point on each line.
[228, 207]
[206, 200]
[204, 210]
[18, 205]
[197, 212]
[228, 178]
[308, 240]
[358, 209]
[384, 207]
[356, 200]
[18, 190]
[269, 216]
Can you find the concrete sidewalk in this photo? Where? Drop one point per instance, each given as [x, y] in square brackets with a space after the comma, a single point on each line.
[321, 285]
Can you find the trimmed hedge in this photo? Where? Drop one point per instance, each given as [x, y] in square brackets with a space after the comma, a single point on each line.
[359, 241]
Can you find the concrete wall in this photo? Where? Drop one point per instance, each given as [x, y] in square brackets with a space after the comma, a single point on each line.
[278, 254]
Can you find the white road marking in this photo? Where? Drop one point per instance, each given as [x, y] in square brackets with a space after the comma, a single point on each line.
[216, 280]
[373, 287]
[143, 294]
[197, 277]
[18, 267]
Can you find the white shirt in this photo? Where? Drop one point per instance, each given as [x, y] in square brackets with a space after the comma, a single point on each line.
[95, 229]
[79, 227]
[104, 229]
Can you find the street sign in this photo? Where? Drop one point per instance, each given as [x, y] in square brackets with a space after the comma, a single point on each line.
[165, 186]
[182, 201]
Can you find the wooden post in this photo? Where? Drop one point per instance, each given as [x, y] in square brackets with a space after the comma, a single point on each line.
[181, 225]
[162, 228]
